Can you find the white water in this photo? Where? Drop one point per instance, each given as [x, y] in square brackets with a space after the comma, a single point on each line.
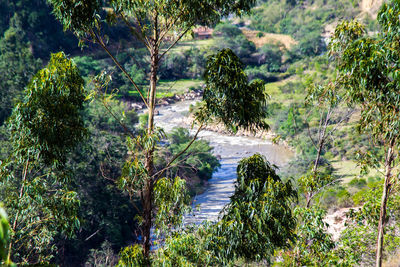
[230, 149]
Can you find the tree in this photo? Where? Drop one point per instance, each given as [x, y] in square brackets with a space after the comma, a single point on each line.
[368, 68]
[271, 56]
[227, 30]
[313, 246]
[257, 221]
[230, 97]
[239, 44]
[159, 25]
[259, 217]
[17, 66]
[44, 127]
[326, 100]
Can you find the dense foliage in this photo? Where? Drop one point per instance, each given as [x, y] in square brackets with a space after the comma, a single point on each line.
[259, 217]
[230, 97]
[17, 66]
[251, 226]
[34, 180]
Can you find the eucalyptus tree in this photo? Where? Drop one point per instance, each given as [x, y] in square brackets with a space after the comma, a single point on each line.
[44, 126]
[159, 25]
[257, 221]
[326, 100]
[368, 67]
[259, 218]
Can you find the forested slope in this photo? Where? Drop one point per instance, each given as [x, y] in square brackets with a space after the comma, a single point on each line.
[285, 52]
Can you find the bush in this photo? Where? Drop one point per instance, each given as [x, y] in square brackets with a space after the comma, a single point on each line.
[196, 165]
[226, 30]
[358, 183]
[271, 56]
[186, 64]
[261, 73]
[132, 256]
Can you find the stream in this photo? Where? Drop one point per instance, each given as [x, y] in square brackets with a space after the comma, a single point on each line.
[230, 149]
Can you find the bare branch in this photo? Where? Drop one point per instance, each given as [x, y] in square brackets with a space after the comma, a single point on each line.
[101, 43]
[134, 32]
[170, 25]
[175, 42]
[160, 173]
[126, 129]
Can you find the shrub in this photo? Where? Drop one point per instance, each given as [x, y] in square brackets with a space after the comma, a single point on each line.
[358, 183]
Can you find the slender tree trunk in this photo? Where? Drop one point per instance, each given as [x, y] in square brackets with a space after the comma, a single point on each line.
[148, 191]
[385, 197]
[310, 195]
[321, 143]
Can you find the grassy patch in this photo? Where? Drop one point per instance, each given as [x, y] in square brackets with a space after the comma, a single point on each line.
[274, 91]
[261, 38]
[348, 170]
[189, 44]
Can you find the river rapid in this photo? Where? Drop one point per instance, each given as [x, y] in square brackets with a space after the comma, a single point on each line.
[230, 149]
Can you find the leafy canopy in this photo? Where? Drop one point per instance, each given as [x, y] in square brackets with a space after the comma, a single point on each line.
[45, 126]
[230, 97]
[80, 16]
[259, 218]
[368, 69]
[48, 121]
[17, 66]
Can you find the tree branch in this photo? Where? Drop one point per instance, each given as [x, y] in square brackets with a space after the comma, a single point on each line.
[133, 30]
[101, 43]
[175, 42]
[159, 173]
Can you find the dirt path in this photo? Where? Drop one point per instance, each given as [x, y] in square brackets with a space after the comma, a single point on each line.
[269, 38]
[336, 220]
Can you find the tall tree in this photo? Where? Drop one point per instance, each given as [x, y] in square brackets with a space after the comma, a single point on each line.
[259, 218]
[257, 221]
[44, 127]
[369, 70]
[326, 99]
[159, 25]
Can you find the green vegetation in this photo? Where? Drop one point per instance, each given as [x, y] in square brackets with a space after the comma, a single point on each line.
[255, 213]
[373, 84]
[86, 181]
[44, 128]
[17, 66]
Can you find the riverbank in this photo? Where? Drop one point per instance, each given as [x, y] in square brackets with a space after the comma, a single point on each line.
[195, 96]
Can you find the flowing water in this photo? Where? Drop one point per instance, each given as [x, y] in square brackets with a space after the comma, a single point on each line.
[230, 149]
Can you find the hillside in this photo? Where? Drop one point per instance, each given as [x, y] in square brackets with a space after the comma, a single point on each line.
[99, 182]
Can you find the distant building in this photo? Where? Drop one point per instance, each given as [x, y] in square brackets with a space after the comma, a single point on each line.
[203, 32]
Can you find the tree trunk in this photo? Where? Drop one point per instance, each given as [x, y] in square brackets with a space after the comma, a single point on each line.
[385, 197]
[148, 191]
[316, 162]
[310, 195]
